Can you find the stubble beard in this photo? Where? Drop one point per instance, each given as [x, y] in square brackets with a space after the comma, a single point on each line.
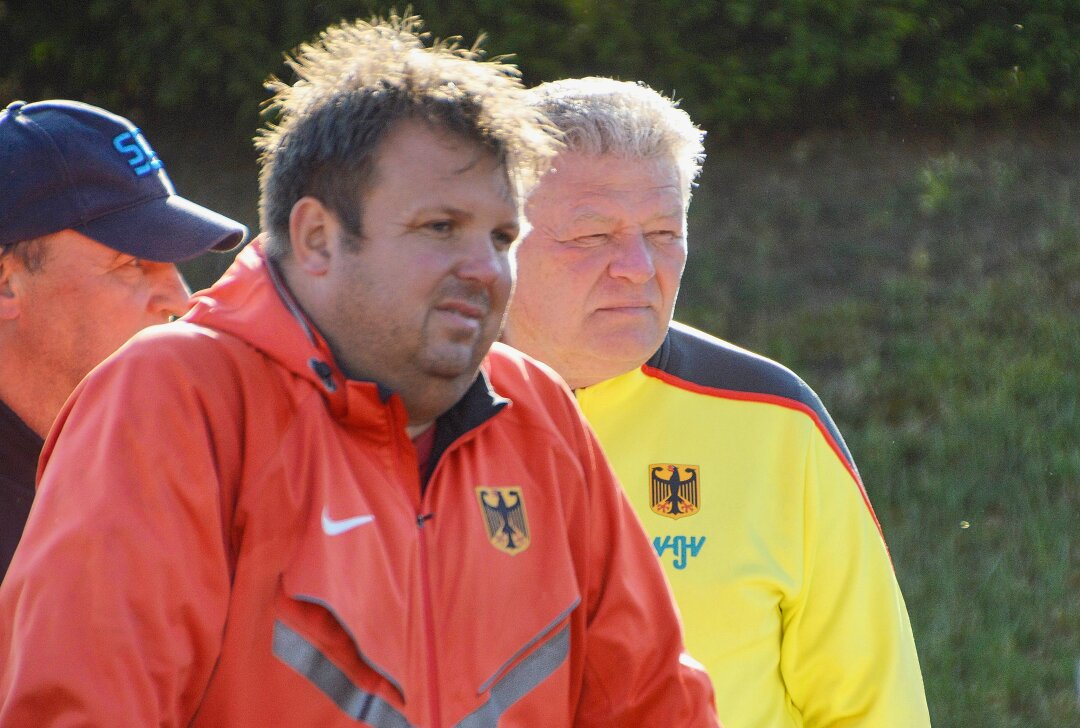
[457, 357]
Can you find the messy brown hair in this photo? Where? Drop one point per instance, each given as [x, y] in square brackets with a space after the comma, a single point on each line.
[354, 83]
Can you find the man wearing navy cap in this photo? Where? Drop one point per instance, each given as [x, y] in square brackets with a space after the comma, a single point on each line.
[90, 231]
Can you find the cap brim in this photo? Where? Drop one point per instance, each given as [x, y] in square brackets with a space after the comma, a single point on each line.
[167, 229]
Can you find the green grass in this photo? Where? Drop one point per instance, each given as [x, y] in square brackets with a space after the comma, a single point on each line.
[929, 289]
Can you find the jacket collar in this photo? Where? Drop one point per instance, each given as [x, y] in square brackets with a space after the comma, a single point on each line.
[659, 360]
[252, 302]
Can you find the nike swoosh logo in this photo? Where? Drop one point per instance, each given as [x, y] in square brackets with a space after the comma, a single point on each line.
[335, 528]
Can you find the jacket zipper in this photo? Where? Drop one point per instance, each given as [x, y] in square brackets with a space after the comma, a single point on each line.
[429, 626]
[425, 581]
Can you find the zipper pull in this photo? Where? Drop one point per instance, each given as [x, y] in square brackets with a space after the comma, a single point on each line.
[324, 372]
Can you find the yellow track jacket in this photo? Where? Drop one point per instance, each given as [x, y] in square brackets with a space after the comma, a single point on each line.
[757, 512]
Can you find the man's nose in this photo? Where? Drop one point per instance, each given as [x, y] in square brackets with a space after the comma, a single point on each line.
[633, 258]
[484, 260]
[170, 293]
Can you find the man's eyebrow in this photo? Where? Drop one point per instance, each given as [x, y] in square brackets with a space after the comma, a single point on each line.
[451, 210]
[444, 211]
[590, 215]
[458, 213]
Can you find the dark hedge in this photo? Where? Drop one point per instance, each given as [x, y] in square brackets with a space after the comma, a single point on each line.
[738, 64]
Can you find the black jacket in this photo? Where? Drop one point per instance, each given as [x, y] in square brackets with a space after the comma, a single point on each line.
[20, 448]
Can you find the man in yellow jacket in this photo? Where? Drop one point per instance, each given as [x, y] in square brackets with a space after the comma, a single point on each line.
[753, 502]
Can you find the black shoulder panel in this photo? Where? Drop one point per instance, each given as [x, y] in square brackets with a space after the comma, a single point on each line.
[705, 361]
[479, 404]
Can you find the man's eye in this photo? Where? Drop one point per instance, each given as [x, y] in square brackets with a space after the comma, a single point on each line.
[441, 227]
[663, 236]
[590, 240]
[503, 240]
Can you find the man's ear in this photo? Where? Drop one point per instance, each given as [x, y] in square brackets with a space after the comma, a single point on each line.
[313, 231]
[10, 300]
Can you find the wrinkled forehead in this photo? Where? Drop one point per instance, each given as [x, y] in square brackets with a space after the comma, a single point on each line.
[581, 185]
[664, 162]
[423, 167]
[466, 150]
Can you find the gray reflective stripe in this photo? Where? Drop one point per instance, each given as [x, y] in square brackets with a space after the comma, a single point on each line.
[306, 659]
[356, 645]
[517, 683]
[528, 645]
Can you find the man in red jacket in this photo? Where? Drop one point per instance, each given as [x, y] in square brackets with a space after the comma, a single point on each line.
[330, 503]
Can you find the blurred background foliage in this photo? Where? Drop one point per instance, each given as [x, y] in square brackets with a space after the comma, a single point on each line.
[734, 63]
[891, 206]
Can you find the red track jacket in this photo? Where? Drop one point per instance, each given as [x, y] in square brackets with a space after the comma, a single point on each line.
[229, 533]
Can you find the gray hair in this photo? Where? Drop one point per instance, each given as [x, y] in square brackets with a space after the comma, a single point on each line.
[604, 116]
[354, 84]
[31, 253]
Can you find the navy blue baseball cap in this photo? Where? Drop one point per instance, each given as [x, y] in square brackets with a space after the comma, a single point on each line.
[66, 164]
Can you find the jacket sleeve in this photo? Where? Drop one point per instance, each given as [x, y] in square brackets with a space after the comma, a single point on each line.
[637, 672]
[115, 603]
[847, 652]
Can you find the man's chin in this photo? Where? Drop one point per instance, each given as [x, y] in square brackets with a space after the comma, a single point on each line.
[455, 362]
[442, 387]
[624, 343]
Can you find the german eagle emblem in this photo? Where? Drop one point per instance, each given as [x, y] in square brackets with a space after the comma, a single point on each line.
[503, 510]
[673, 490]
